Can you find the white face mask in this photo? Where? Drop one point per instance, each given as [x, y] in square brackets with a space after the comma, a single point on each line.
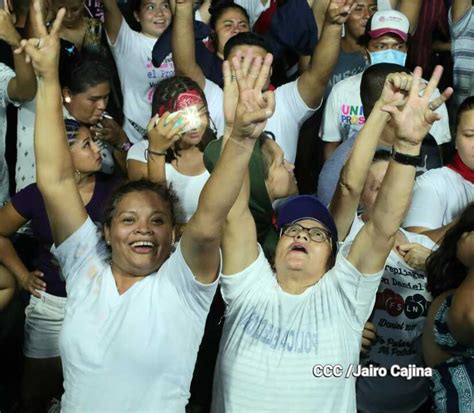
[388, 56]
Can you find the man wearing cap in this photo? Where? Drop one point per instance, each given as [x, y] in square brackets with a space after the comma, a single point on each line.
[292, 333]
[385, 41]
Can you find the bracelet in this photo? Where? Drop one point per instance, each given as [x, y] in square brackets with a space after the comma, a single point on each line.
[148, 152]
[405, 159]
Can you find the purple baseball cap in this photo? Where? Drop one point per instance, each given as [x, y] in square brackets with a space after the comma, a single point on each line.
[299, 207]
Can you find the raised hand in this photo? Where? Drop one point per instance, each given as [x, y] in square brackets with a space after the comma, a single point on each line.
[338, 11]
[164, 132]
[254, 107]
[43, 51]
[414, 119]
[8, 32]
[396, 89]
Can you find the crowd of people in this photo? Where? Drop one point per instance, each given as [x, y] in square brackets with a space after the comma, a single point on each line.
[236, 206]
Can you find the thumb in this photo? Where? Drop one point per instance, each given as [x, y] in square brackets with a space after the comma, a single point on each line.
[37, 273]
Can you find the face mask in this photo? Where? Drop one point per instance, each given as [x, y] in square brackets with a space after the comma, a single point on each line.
[388, 56]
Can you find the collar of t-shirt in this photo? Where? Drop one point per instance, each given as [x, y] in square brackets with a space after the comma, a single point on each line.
[457, 165]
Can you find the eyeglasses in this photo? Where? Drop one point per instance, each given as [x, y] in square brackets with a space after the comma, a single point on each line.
[316, 234]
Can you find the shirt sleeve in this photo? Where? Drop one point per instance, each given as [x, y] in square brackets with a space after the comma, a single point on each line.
[356, 290]
[235, 286]
[330, 125]
[195, 295]
[427, 206]
[26, 200]
[124, 40]
[137, 151]
[460, 27]
[83, 249]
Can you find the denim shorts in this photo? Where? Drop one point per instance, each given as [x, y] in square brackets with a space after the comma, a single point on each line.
[43, 321]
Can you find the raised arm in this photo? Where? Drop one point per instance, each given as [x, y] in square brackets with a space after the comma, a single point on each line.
[351, 182]
[202, 236]
[374, 242]
[411, 9]
[459, 9]
[54, 169]
[23, 86]
[112, 18]
[312, 83]
[182, 43]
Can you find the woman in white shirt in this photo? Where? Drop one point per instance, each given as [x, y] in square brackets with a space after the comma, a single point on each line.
[177, 161]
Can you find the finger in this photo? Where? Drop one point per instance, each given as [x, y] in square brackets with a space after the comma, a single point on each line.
[153, 122]
[254, 72]
[439, 101]
[247, 62]
[58, 21]
[405, 247]
[264, 73]
[392, 110]
[43, 32]
[31, 50]
[241, 80]
[270, 103]
[227, 73]
[34, 292]
[434, 80]
[177, 130]
[415, 84]
[370, 326]
[256, 116]
[432, 117]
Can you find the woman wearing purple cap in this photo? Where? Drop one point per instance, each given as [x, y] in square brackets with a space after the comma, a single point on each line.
[292, 336]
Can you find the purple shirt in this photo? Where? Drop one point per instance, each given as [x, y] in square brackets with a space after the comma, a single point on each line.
[30, 205]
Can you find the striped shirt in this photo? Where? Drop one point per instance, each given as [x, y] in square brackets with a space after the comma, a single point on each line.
[462, 40]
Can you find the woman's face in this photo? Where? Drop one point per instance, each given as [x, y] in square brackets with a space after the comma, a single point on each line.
[88, 107]
[281, 181]
[140, 234]
[85, 152]
[194, 136]
[230, 23]
[465, 138]
[154, 17]
[74, 12]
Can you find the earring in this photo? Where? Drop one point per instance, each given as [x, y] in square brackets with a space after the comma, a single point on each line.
[67, 99]
[107, 242]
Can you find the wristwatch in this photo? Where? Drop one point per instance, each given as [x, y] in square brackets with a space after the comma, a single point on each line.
[406, 159]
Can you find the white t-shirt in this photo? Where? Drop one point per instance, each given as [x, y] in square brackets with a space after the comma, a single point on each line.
[25, 171]
[129, 352]
[6, 74]
[439, 197]
[188, 188]
[254, 9]
[132, 53]
[290, 113]
[272, 340]
[344, 114]
[399, 315]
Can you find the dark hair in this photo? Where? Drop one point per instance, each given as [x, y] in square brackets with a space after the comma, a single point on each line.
[85, 72]
[372, 82]
[466, 105]
[443, 269]
[366, 38]
[166, 93]
[216, 10]
[247, 39]
[141, 185]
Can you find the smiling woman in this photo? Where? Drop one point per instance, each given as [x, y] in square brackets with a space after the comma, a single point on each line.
[139, 79]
